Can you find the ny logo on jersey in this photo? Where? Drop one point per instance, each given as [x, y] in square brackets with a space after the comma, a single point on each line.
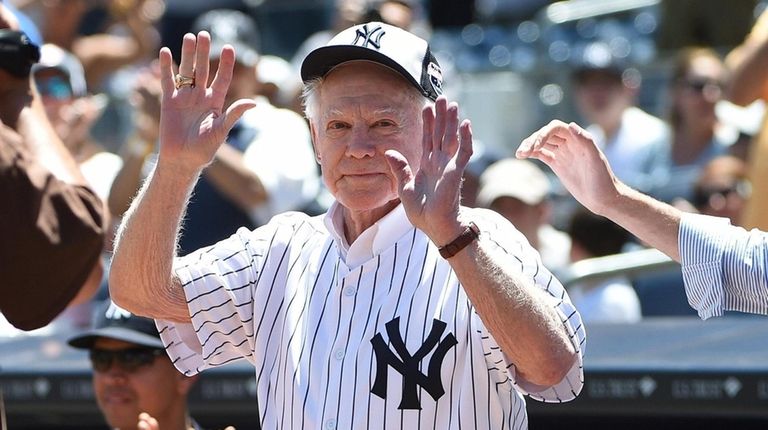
[366, 37]
[408, 365]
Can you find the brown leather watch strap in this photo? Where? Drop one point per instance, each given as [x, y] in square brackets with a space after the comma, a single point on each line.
[465, 238]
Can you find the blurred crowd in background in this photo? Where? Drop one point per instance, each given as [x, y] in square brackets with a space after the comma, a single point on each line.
[650, 78]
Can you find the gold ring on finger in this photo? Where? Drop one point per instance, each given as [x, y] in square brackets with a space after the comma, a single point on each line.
[183, 81]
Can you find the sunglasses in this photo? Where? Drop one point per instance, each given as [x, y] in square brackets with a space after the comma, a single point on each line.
[702, 85]
[55, 87]
[702, 197]
[128, 359]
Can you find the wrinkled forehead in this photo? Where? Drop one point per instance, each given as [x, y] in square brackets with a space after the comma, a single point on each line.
[363, 80]
[365, 71]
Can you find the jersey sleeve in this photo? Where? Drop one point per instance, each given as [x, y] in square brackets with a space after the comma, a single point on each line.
[512, 242]
[219, 283]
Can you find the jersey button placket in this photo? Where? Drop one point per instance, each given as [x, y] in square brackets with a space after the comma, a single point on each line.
[339, 354]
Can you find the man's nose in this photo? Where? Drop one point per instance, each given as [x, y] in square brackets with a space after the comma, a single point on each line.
[360, 144]
[115, 372]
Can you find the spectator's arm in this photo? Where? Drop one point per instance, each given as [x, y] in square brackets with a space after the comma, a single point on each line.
[102, 54]
[232, 177]
[749, 66]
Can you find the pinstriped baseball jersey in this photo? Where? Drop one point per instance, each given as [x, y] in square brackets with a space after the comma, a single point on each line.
[377, 335]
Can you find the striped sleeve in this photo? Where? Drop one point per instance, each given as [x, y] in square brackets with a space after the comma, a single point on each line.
[513, 243]
[725, 268]
[218, 282]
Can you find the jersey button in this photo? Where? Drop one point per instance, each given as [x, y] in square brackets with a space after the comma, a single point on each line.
[349, 291]
[330, 424]
[339, 354]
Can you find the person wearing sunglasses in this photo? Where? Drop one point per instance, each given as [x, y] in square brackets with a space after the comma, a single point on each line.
[723, 189]
[132, 375]
[60, 80]
[695, 87]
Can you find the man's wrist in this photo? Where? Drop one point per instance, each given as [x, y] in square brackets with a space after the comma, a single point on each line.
[466, 237]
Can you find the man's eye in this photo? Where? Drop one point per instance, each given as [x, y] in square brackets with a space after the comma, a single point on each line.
[384, 123]
[337, 126]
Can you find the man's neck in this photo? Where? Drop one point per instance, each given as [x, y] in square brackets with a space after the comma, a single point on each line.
[356, 222]
[689, 144]
[611, 129]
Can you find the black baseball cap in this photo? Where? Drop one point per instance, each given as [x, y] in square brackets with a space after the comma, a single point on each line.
[113, 322]
[401, 51]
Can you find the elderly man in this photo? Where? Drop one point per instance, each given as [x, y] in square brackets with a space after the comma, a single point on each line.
[396, 308]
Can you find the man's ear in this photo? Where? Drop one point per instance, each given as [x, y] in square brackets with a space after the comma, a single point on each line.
[313, 137]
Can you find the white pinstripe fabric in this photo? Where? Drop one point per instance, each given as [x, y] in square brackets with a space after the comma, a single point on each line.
[725, 268]
[283, 298]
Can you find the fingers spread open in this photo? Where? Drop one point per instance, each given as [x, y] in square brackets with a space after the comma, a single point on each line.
[450, 136]
[441, 105]
[202, 58]
[465, 144]
[166, 71]
[188, 48]
[428, 125]
[223, 77]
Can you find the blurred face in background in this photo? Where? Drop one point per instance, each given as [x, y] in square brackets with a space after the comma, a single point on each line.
[726, 201]
[723, 189]
[526, 218]
[601, 96]
[149, 385]
[55, 90]
[697, 90]
[397, 14]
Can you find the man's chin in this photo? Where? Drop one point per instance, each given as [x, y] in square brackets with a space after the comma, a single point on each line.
[367, 201]
[122, 419]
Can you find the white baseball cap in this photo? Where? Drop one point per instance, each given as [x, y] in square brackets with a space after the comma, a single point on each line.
[510, 177]
[385, 44]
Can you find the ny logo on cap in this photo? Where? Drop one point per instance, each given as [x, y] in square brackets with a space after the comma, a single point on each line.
[373, 37]
[115, 312]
